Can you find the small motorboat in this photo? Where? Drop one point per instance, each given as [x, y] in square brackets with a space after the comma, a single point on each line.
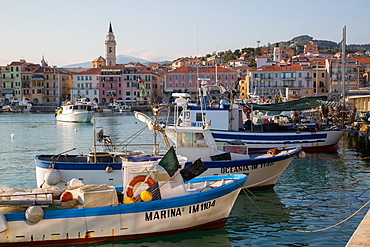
[77, 112]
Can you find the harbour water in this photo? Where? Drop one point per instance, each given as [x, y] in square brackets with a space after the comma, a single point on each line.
[310, 196]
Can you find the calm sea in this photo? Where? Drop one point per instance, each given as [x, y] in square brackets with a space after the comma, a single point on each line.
[306, 198]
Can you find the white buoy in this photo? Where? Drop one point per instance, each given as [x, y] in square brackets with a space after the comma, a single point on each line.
[302, 154]
[34, 213]
[109, 169]
[12, 136]
[75, 130]
[52, 177]
[74, 182]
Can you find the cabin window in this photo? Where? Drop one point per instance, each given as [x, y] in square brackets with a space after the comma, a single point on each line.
[198, 117]
[191, 140]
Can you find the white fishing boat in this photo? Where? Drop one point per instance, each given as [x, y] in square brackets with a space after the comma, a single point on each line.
[153, 202]
[78, 112]
[259, 133]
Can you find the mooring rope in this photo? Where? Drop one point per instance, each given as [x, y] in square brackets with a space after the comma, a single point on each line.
[292, 229]
[318, 230]
[316, 157]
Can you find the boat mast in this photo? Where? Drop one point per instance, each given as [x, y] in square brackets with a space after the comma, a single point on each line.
[343, 62]
[94, 140]
[343, 71]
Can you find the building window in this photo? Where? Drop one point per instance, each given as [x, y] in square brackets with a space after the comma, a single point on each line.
[87, 92]
[128, 84]
[170, 84]
[128, 93]
[183, 84]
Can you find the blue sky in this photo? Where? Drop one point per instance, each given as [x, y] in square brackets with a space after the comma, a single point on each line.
[73, 31]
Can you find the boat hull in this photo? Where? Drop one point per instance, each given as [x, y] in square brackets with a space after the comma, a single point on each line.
[263, 170]
[198, 211]
[77, 117]
[320, 140]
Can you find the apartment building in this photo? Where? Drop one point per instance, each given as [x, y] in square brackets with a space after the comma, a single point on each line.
[271, 80]
[186, 79]
[85, 84]
[12, 81]
[353, 75]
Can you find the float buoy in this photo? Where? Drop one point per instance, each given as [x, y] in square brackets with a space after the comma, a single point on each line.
[74, 182]
[66, 196]
[34, 213]
[301, 154]
[128, 200]
[109, 169]
[12, 136]
[146, 196]
[52, 177]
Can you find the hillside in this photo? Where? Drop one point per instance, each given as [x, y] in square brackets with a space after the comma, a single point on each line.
[324, 45]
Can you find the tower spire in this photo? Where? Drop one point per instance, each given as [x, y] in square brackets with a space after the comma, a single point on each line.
[110, 27]
[110, 46]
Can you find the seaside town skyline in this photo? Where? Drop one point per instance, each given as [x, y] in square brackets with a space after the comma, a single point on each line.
[158, 31]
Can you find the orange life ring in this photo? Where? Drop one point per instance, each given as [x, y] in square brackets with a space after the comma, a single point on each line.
[214, 104]
[135, 180]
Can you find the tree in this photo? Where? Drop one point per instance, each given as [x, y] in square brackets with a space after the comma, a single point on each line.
[237, 53]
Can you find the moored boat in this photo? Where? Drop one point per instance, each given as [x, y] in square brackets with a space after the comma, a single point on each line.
[78, 112]
[89, 214]
[263, 168]
[231, 123]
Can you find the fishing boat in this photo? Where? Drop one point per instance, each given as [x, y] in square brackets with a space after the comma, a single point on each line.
[263, 168]
[20, 105]
[237, 122]
[78, 112]
[155, 200]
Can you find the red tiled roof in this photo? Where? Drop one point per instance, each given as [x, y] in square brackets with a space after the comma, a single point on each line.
[94, 71]
[16, 63]
[186, 69]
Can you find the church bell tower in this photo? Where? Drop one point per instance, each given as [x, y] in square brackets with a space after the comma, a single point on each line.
[110, 46]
